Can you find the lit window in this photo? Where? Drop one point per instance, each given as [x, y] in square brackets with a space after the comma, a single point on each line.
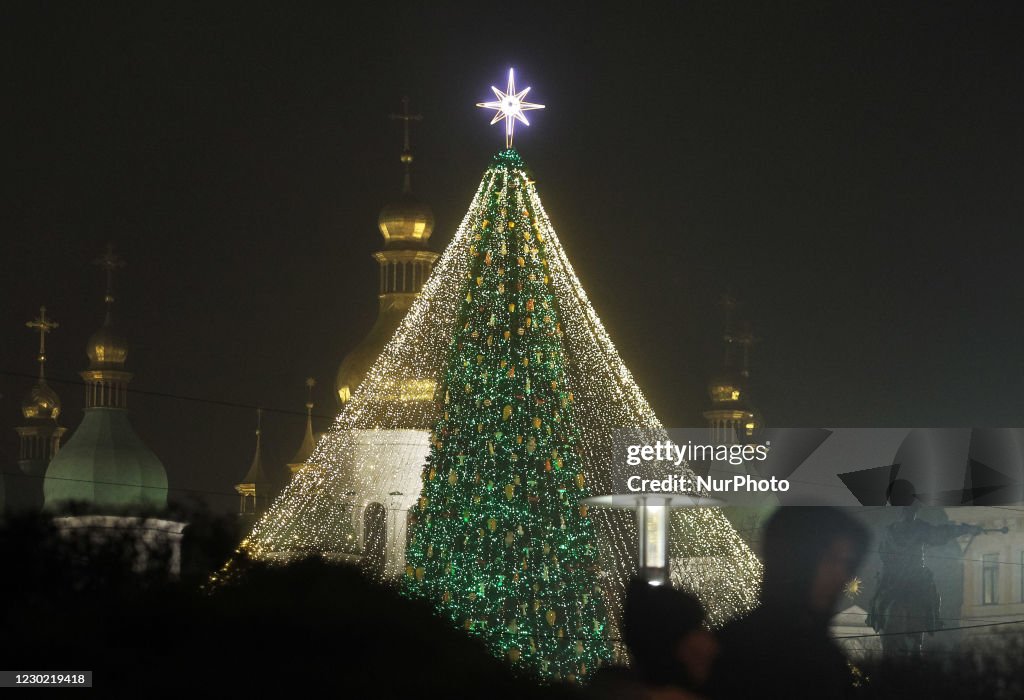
[989, 579]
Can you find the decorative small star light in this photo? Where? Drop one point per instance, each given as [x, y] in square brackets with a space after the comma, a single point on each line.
[510, 107]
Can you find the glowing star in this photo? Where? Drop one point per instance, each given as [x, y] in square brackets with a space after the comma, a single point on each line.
[510, 107]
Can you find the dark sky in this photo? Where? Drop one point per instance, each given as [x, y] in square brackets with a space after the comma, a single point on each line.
[854, 171]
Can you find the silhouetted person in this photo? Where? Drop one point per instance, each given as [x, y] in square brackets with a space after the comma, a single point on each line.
[906, 602]
[783, 649]
[671, 649]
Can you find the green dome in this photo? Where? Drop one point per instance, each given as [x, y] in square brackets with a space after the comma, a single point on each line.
[105, 464]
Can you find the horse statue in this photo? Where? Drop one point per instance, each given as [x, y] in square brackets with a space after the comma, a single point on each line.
[906, 604]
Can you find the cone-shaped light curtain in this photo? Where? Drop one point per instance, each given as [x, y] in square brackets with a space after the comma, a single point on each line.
[377, 448]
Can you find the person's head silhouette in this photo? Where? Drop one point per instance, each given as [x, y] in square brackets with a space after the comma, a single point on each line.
[810, 552]
[664, 630]
[902, 493]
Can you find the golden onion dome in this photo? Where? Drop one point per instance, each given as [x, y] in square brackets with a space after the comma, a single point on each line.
[41, 402]
[107, 347]
[727, 387]
[406, 221]
[359, 361]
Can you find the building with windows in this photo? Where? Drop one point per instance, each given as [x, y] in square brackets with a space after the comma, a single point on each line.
[993, 572]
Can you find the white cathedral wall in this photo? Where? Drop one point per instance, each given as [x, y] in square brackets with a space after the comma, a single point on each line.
[389, 464]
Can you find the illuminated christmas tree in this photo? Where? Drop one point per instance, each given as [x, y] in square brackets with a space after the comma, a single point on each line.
[498, 538]
[360, 472]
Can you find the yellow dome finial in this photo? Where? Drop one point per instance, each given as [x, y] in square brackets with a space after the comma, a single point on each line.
[407, 221]
[41, 401]
[107, 347]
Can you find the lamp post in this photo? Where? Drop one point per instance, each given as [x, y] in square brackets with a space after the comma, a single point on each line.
[653, 512]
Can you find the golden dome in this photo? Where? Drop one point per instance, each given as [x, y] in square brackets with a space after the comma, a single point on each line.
[41, 402]
[359, 361]
[107, 347]
[727, 387]
[406, 221]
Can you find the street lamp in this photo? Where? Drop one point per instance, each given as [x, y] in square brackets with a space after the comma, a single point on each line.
[653, 512]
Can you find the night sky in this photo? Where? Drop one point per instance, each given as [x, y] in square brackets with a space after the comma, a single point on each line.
[853, 171]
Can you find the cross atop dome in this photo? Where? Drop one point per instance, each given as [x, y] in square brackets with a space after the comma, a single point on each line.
[406, 158]
[44, 325]
[109, 261]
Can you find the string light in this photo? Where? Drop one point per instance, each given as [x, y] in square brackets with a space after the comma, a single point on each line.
[376, 451]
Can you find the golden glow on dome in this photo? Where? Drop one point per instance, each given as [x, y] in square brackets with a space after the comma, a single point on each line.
[107, 347]
[401, 390]
[408, 390]
[41, 402]
[407, 221]
[724, 392]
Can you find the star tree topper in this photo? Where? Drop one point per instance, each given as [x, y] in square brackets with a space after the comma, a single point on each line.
[510, 107]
